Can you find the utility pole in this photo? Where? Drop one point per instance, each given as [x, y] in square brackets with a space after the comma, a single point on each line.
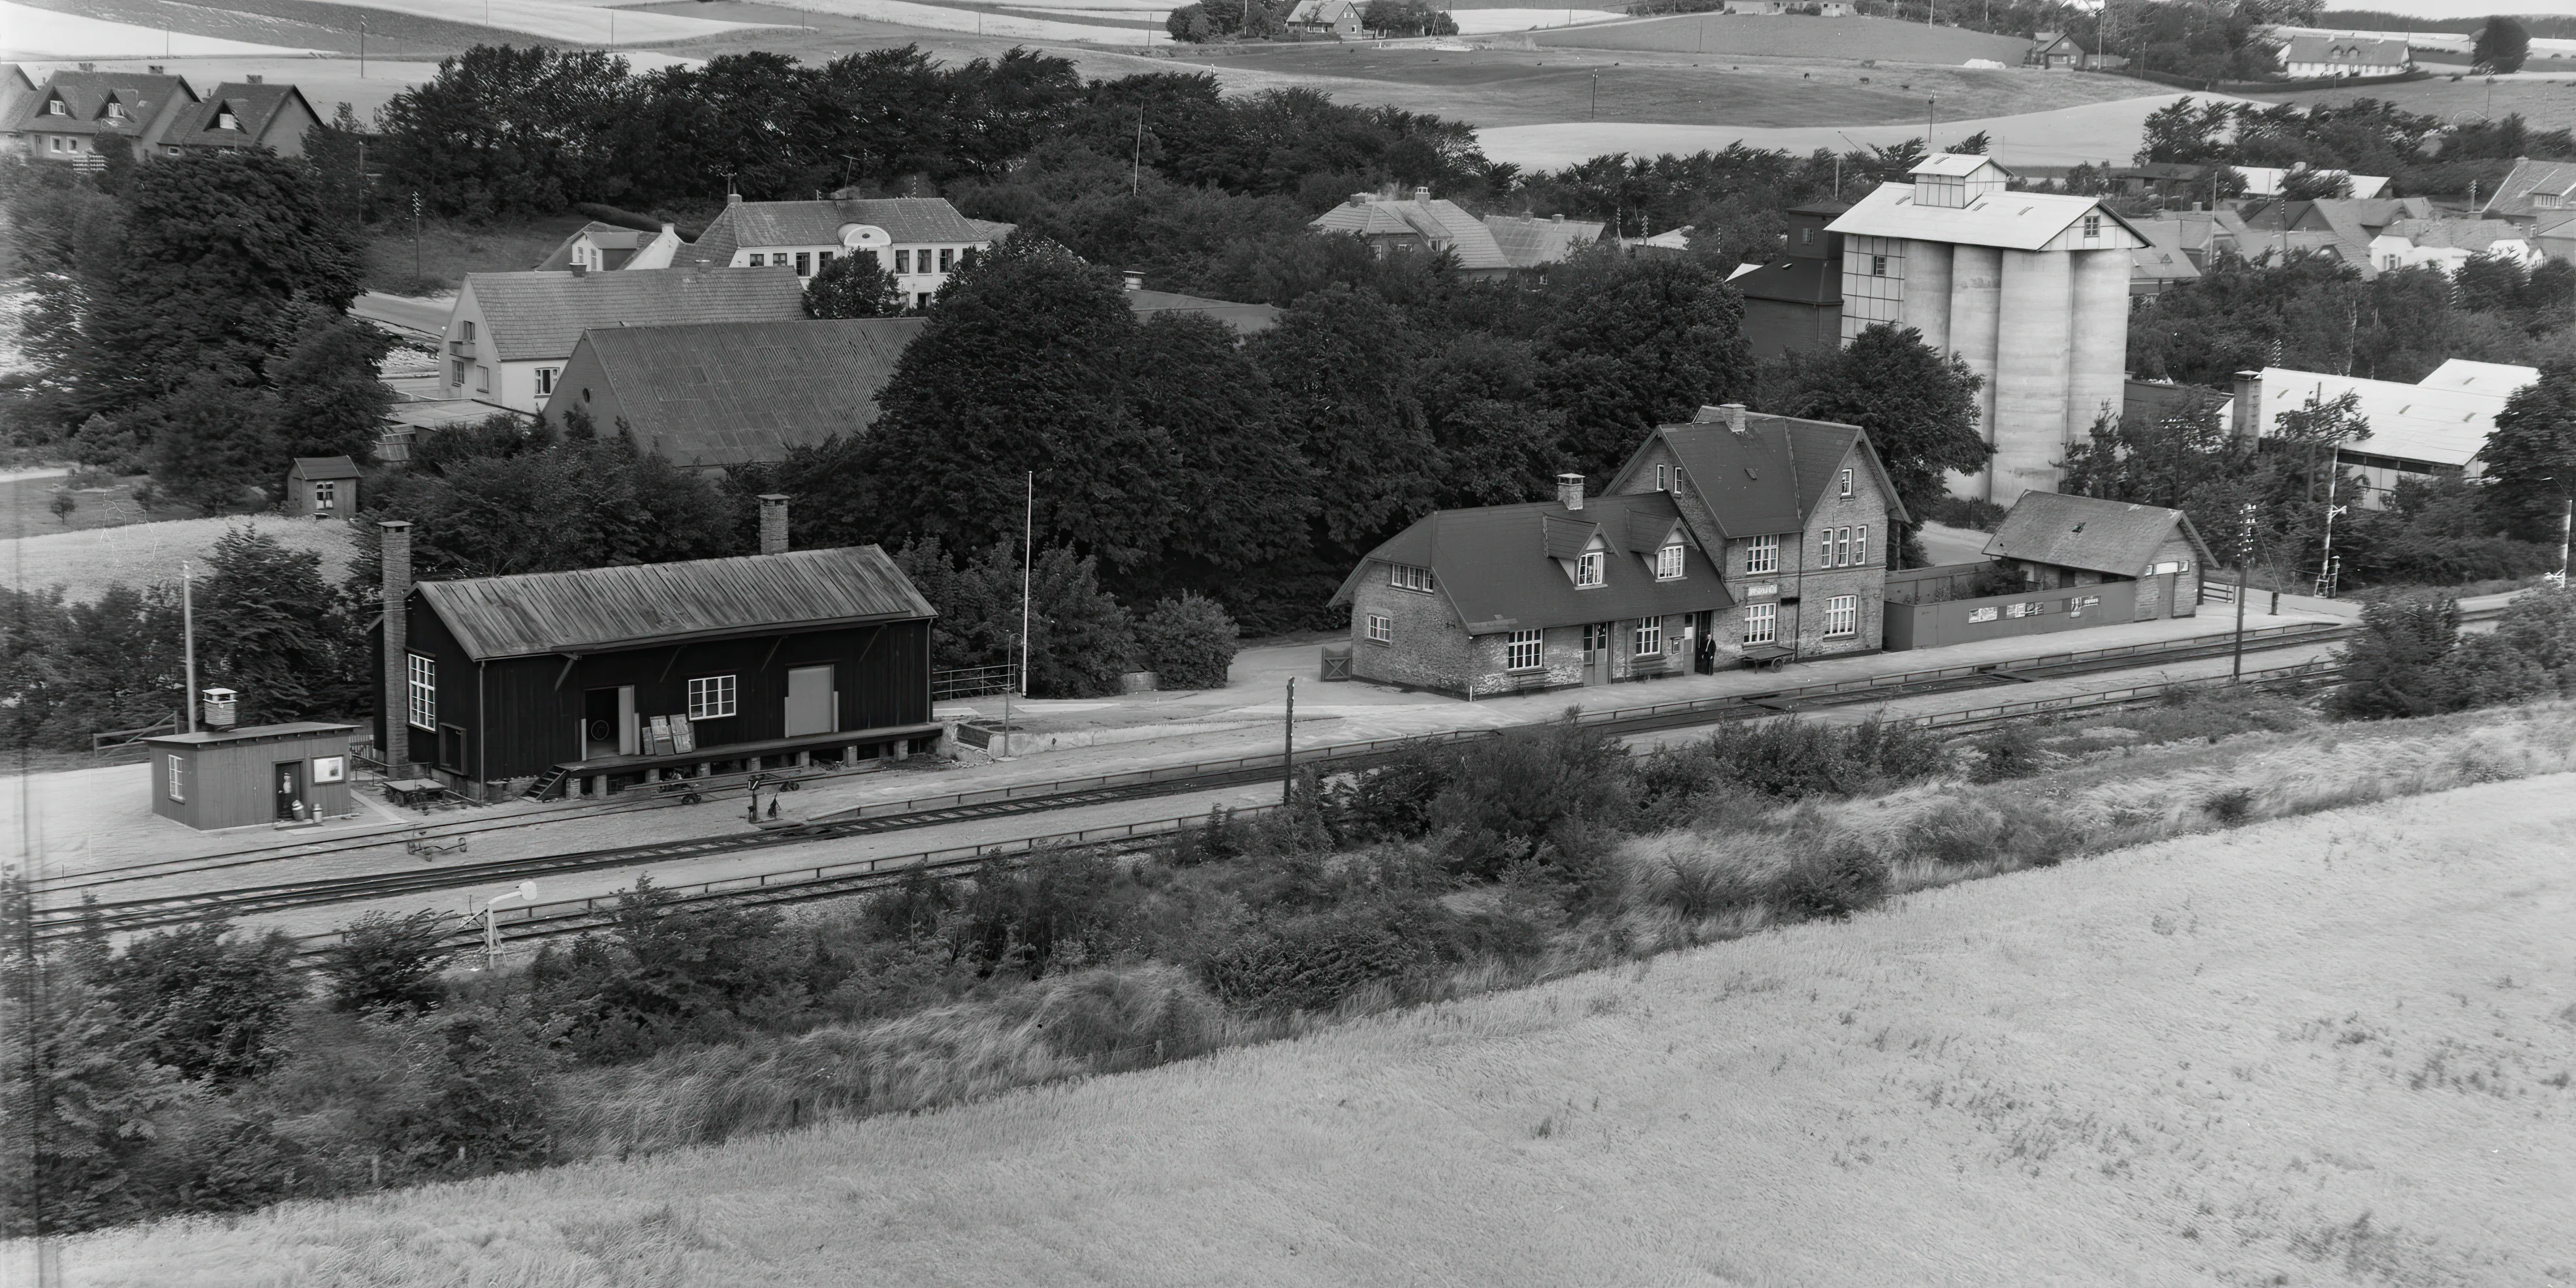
[362, 49]
[1136, 166]
[1028, 552]
[1288, 752]
[2244, 562]
[188, 632]
[415, 234]
[1928, 105]
[2326, 578]
[2566, 521]
[1596, 96]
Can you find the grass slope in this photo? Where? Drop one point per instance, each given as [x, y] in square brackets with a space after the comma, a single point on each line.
[86, 562]
[2326, 1050]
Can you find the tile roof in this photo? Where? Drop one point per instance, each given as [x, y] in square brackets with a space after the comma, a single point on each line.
[1494, 563]
[2084, 532]
[2465, 234]
[909, 221]
[1246, 319]
[726, 393]
[1530, 242]
[2012, 220]
[254, 107]
[2347, 50]
[617, 245]
[542, 315]
[2513, 197]
[85, 96]
[1443, 223]
[637, 604]
[1770, 478]
[325, 467]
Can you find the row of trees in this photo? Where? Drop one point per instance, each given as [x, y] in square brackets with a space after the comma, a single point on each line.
[1195, 23]
[2420, 153]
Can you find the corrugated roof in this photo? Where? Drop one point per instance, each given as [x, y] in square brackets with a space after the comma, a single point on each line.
[1770, 478]
[726, 393]
[2439, 426]
[1529, 242]
[542, 315]
[1496, 564]
[2497, 379]
[2085, 532]
[254, 108]
[85, 96]
[755, 225]
[2512, 197]
[325, 467]
[2012, 220]
[639, 604]
[1246, 319]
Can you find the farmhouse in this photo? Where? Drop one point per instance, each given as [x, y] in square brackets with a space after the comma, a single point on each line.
[1732, 538]
[1419, 223]
[75, 115]
[242, 114]
[1530, 242]
[1339, 19]
[594, 680]
[2306, 56]
[921, 240]
[509, 334]
[713, 394]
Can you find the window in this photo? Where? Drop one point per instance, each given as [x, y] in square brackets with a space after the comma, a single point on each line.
[1596, 636]
[804, 264]
[223, 121]
[1381, 630]
[760, 261]
[1409, 577]
[1842, 616]
[711, 697]
[1806, 236]
[330, 769]
[546, 380]
[903, 261]
[465, 330]
[1523, 652]
[1847, 484]
[921, 299]
[325, 494]
[178, 778]
[1860, 544]
[822, 258]
[1650, 637]
[482, 379]
[56, 108]
[1761, 622]
[1842, 548]
[1588, 568]
[458, 376]
[1663, 478]
[947, 259]
[424, 692]
[1878, 265]
[2092, 225]
[1668, 563]
[1762, 554]
[116, 112]
[1825, 549]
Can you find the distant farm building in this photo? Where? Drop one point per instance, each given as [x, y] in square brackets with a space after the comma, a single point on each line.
[713, 394]
[1389, 223]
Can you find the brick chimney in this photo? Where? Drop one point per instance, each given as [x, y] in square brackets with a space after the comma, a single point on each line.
[1734, 417]
[2245, 419]
[733, 198]
[1569, 491]
[1422, 194]
[773, 524]
[1135, 279]
[580, 268]
[395, 702]
[252, 78]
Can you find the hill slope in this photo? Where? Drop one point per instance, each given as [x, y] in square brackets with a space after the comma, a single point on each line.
[2336, 1049]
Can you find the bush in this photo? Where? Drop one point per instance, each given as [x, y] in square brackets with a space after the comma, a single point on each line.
[2492, 670]
[488, 1105]
[665, 974]
[1049, 908]
[206, 1003]
[1188, 642]
[1794, 759]
[391, 963]
[1833, 877]
[2393, 666]
[2541, 623]
[1391, 802]
[1518, 799]
[2010, 752]
[1315, 962]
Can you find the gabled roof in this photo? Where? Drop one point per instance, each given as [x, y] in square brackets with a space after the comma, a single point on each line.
[1441, 222]
[1958, 165]
[1792, 279]
[2012, 220]
[2084, 532]
[1770, 478]
[1530, 242]
[1246, 319]
[1324, 12]
[86, 95]
[726, 393]
[542, 315]
[2345, 49]
[753, 225]
[2465, 234]
[254, 107]
[2494, 379]
[2161, 264]
[617, 245]
[2436, 425]
[325, 467]
[639, 604]
[2512, 197]
[1495, 564]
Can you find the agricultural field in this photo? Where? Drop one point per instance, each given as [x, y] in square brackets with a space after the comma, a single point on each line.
[2094, 133]
[1883, 39]
[85, 562]
[2332, 1049]
[2547, 104]
[448, 249]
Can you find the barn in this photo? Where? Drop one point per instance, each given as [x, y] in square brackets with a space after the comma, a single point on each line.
[590, 681]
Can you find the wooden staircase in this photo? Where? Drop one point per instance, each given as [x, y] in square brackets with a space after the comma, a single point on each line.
[548, 784]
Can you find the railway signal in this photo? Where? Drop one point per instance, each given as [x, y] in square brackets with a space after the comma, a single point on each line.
[526, 893]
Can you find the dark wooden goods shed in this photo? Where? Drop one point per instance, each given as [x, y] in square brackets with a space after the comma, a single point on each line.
[604, 677]
[280, 773]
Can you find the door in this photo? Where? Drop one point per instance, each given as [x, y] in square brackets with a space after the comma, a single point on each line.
[290, 790]
[603, 723]
[2165, 594]
[1596, 653]
[451, 748]
[810, 701]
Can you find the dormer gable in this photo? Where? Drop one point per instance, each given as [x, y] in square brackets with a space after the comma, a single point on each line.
[1953, 180]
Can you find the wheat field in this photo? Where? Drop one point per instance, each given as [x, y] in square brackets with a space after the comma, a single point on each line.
[2334, 1049]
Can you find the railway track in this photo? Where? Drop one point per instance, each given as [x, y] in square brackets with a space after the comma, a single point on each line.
[147, 913]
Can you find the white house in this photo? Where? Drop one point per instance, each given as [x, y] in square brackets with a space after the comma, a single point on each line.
[2447, 244]
[921, 240]
[2306, 56]
[1340, 19]
[509, 334]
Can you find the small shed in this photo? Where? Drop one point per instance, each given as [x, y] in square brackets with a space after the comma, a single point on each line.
[281, 773]
[2057, 541]
[322, 487]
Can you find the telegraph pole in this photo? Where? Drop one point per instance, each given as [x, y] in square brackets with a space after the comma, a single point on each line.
[2566, 522]
[2244, 561]
[1288, 752]
[188, 630]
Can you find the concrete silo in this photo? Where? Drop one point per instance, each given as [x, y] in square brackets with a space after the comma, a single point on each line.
[2029, 290]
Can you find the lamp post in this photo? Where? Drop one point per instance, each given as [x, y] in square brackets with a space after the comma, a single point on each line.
[526, 893]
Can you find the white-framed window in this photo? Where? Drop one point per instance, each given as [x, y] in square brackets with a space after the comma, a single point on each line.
[1847, 482]
[1860, 544]
[458, 375]
[178, 778]
[225, 120]
[546, 380]
[424, 693]
[326, 494]
[1878, 265]
[482, 379]
[1842, 548]
[1668, 563]
[1523, 652]
[1842, 616]
[1762, 622]
[947, 258]
[2170, 565]
[1590, 569]
[2092, 225]
[804, 263]
[711, 697]
[116, 112]
[1762, 554]
[1381, 629]
[1649, 637]
[465, 330]
[1411, 577]
[330, 769]
[760, 261]
[903, 261]
[1825, 549]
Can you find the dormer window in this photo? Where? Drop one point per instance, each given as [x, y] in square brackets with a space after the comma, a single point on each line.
[1668, 563]
[225, 120]
[116, 111]
[57, 107]
[1945, 190]
[1590, 569]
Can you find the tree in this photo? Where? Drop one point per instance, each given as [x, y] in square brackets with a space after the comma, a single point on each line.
[2183, 132]
[207, 1003]
[853, 285]
[1920, 410]
[2531, 457]
[63, 504]
[269, 629]
[1644, 342]
[2502, 45]
[1188, 643]
[329, 399]
[1241, 494]
[1407, 18]
[493, 502]
[2393, 666]
[389, 963]
[76, 1153]
[216, 445]
[1342, 359]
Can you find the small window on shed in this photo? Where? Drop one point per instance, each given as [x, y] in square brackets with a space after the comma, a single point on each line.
[178, 778]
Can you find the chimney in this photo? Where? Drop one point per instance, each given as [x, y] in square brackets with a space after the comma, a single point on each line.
[392, 703]
[1734, 414]
[253, 78]
[156, 69]
[579, 268]
[89, 67]
[2245, 420]
[1135, 279]
[1557, 218]
[1422, 194]
[733, 198]
[1360, 198]
[773, 524]
[222, 707]
[1569, 491]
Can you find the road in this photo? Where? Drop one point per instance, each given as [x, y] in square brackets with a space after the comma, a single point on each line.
[426, 319]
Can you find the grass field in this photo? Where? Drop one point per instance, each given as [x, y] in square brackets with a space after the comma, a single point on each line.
[85, 563]
[449, 249]
[25, 507]
[2330, 1049]
[2094, 132]
[2548, 105]
[1884, 39]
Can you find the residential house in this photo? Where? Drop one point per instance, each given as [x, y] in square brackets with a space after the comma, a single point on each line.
[2162, 261]
[2554, 236]
[1389, 223]
[2201, 235]
[2062, 51]
[1531, 242]
[15, 89]
[322, 487]
[2344, 227]
[921, 240]
[242, 114]
[1793, 303]
[74, 115]
[509, 334]
[2426, 430]
[2172, 183]
[602, 248]
[2447, 244]
[1339, 19]
[2534, 192]
[713, 394]
[1732, 538]
[2319, 56]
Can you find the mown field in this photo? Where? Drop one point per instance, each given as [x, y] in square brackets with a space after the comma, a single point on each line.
[85, 562]
[2333, 1048]
[1884, 39]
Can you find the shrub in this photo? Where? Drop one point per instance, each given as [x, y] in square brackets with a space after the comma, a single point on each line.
[1189, 642]
[1314, 962]
[1960, 512]
[2393, 666]
[1835, 876]
[1391, 802]
[488, 1105]
[1794, 759]
[207, 1003]
[664, 974]
[1510, 799]
[389, 963]
[2491, 670]
[2010, 752]
[2230, 805]
[1023, 916]
[2541, 623]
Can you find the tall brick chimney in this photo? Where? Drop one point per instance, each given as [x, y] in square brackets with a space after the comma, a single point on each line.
[396, 702]
[773, 524]
[2245, 419]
